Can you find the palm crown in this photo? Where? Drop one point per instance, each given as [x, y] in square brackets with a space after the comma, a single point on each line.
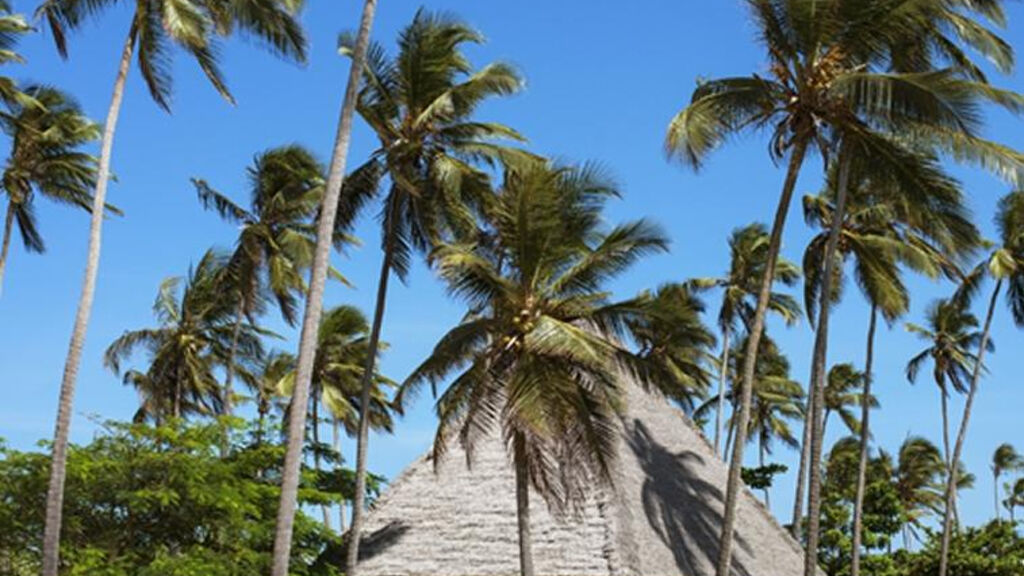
[536, 354]
[46, 158]
[420, 104]
[192, 25]
[192, 341]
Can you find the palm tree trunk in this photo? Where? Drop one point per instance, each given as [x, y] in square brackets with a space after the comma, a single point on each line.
[961, 437]
[722, 376]
[995, 493]
[324, 510]
[55, 491]
[315, 301]
[818, 370]
[733, 487]
[801, 476]
[5, 246]
[523, 510]
[865, 436]
[336, 443]
[358, 499]
[229, 375]
[760, 459]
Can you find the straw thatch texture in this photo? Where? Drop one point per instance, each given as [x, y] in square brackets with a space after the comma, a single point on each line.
[661, 518]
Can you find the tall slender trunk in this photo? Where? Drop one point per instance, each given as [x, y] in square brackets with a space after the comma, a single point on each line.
[995, 494]
[5, 246]
[523, 510]
[177, 396]
[732, 494]
[324, 510]
[961, 437]
[731, 432]
[818, 369]
[55, 491]
[760, 460]
[796, 527]
[722, 378]
[261, 422]
[336, 443]
[358, 499]
[229, 375]
[865, 437]
[315, 301]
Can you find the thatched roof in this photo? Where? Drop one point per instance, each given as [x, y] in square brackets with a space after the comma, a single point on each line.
[661, 517]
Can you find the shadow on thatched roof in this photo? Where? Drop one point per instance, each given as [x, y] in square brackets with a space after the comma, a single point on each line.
[661, 517]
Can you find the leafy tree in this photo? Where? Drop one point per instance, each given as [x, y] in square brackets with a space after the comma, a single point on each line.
[883, 514]
[991, 550]
[162, 500]
[193, 339]
[420, 104]
[276, 237]
[748, 258]
[45, 159]
[538, 355]
[1004, 459]
[157, 27]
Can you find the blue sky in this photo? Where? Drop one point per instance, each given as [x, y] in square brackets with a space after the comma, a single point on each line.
[603, 80]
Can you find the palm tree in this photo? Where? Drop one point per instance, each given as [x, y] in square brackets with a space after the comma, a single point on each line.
[952, 334]
[886, 226]
[156, 27]
[326, 231]
[276, 237]
[190, 343]
[778, 401]
[917, 478]
[268, 380]
[420, 105]
[45, 159]
[843, 390]
[337, 373]
[538, 353]
[821, 91]
[1015, 498]
[1004, 459]
[12, 27]
[1005, 265]
[675, 344]
[748, 257]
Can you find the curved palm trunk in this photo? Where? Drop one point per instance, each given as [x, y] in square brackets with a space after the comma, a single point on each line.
[722, 374]
[55, 491]
[947, 525]
[315, 301]
[818, 372]
[359, 498]
[865, 436]
[523, 510]
[801, 475]
[5, 246]
[733, 487]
